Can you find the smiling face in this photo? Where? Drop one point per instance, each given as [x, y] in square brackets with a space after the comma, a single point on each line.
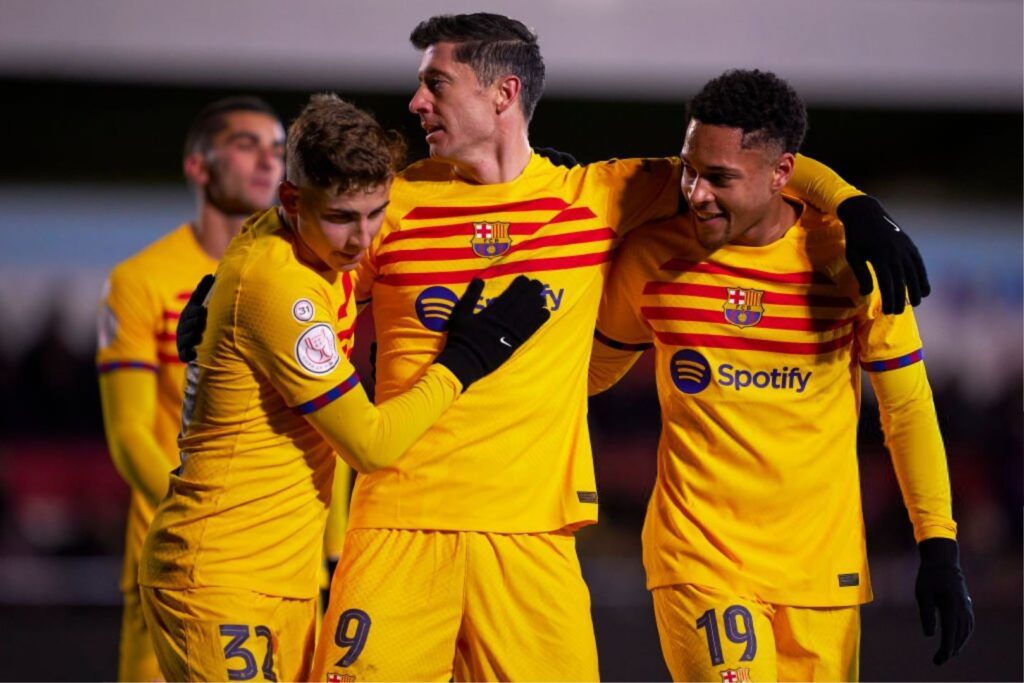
[730, 188]
[240, 172]
[334, 229]
[459, 115]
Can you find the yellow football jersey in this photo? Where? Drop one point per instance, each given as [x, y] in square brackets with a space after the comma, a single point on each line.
[247, 508]
[513, 454]
[138, 319]
[758, 354]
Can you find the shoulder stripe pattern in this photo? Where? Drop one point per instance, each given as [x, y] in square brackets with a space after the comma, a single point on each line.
[328, 396]
[124, 365]
[622, 346]
[894, 363]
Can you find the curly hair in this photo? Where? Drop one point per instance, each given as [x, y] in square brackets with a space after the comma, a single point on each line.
[493, 45]
[765, 107]
[334, 144]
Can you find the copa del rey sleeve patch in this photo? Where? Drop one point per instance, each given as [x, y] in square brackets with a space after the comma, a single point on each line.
[317, 349]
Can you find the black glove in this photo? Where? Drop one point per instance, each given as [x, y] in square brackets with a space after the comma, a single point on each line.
[872, 235]
[479, 343]
[941, 586]
[331, 565]
[556, 157]
[193, 321]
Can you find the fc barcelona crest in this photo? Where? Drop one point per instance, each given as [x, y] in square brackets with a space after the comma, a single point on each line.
[743, 307]
[491, 239]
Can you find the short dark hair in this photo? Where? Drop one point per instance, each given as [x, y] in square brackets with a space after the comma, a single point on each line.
[334, 144]
[493, 45]
[212, 119]
[765, 107]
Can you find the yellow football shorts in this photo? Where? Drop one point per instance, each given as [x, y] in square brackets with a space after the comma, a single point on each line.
[220, 634]
[708, 635]
[136, 659]
[411, 605]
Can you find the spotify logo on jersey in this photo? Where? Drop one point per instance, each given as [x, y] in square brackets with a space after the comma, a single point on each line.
[434, 306]
[690, 371]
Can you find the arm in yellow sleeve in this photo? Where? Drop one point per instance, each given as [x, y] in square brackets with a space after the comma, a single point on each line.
[370, 437]
[912, 435]
[819, 185]
[609, 362]
[337, 514]
[128, 399]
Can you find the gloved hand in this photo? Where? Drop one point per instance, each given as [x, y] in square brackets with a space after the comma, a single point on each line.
[872, 235]
[941, 586]
[193, 321]
[331, 565]
[479, 343]
[556, 157]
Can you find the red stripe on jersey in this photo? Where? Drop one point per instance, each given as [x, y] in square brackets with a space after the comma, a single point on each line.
[165, 336]
[346, 285]
[770, 322]
[169, 358]
[497, 270]
[425, 212]
[183, 296]
[719, 292]
[171, 315]
[446, 253]
[576, 213]
[802, 278]
[717, 341]
[347, 334]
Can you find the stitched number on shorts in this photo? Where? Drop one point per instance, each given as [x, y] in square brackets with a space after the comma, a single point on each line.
[745, 636]
[357, 640]
[709, 622]
[238, 634]
[733, 615]
[268, 660]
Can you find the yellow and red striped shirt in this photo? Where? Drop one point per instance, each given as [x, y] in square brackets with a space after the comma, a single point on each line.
[758, 356]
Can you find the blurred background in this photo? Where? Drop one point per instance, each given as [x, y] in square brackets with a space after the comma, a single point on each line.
[915, 101]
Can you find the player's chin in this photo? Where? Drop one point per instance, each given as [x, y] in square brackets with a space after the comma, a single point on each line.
[345, 264]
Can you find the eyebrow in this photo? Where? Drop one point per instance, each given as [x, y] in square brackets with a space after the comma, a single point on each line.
[714, 169]
[433, 71]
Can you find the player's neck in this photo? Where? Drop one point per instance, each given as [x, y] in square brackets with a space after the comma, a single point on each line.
[500, 163]
[777, 221]
[214, 229]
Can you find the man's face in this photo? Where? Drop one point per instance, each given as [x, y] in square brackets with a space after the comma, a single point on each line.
[241, 171]
[729, 188]
[336, 229]
[457, 112]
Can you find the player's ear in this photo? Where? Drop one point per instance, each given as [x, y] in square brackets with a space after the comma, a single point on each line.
[783, 170]
[508, 89]
[289, 196]
[195, 169]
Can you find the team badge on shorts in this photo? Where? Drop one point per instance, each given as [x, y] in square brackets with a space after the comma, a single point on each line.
[302, 310]
[740, 675]
[491, 239]
[743, 307]
[340, 678]
[317, 349]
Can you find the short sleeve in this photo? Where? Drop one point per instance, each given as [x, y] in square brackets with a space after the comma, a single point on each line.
[289, 333]
[619, 321]
[127, 324]
[887, 342]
